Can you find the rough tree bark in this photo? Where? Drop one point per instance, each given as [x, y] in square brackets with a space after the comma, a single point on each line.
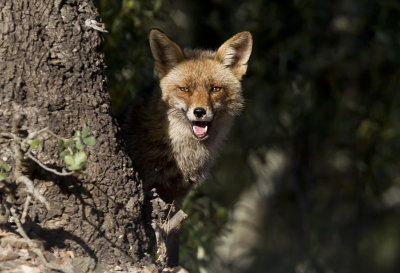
[51, 76]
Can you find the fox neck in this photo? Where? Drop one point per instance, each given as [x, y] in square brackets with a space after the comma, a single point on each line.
[194, 157]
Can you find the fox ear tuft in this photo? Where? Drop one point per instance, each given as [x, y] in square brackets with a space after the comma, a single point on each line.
[235, 53]
[166, 53]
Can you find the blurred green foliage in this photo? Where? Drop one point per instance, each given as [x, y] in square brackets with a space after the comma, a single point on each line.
[130, 65]
[206, 218]
[322, 88]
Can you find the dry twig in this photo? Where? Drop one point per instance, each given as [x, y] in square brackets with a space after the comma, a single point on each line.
[32, 190]
[29, 154]
[34, 248]
[25, 211]
[174, 223]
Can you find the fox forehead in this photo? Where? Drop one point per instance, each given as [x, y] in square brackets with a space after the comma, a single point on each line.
[200, 72]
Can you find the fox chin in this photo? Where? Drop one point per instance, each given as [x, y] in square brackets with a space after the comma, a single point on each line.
[175, 134]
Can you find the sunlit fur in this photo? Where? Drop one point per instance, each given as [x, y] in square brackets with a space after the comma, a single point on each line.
[164, 148]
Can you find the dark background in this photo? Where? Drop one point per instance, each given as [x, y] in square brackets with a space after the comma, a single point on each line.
[322, 108]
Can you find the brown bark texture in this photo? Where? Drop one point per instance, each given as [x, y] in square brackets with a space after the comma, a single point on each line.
[51, 76]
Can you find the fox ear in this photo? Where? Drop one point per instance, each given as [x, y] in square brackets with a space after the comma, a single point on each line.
[166, 53]
[235, 53]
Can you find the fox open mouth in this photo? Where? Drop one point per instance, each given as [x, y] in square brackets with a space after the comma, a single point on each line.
[200, 129]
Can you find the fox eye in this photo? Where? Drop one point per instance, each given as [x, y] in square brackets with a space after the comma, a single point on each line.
[184, 89]
[216, 89]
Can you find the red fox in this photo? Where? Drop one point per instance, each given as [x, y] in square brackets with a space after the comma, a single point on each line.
[175, 134]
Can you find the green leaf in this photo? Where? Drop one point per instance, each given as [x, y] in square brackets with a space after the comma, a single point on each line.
[130, 4]
[69, 160]
[78, 144]
[85, 132]
[77, 134]
[64, 154]
[157, 5]
[90, 141]
[6, 168]
[35, 143]
[76, 162]
[74, 167]
[80, 158]
[61, 144]
[2, 177]
[69, 143]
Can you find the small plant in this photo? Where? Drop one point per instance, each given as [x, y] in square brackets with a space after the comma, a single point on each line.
[71, 149]
[4, 168]
[35, 143]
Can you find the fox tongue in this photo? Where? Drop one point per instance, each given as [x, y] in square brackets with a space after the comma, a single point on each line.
[200, 128]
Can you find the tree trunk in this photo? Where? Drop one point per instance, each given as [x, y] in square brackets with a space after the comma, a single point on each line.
[51, 76]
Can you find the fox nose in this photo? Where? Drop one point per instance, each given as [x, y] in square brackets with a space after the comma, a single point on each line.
[199, 112]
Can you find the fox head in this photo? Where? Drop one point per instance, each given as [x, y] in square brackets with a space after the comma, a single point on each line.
[201, 87]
